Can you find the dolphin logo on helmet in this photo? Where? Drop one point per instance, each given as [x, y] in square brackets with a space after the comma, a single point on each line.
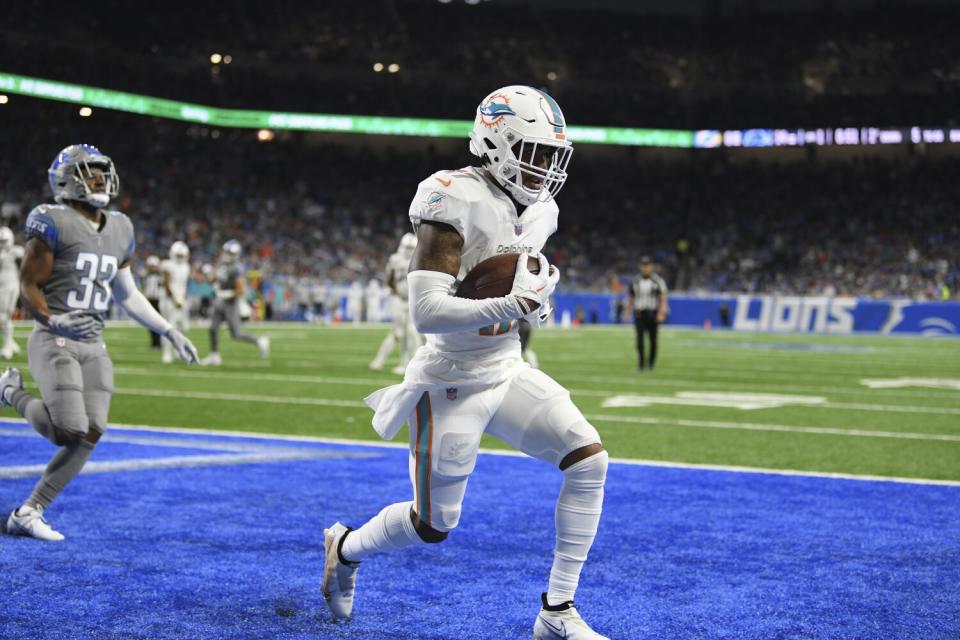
[520, 135]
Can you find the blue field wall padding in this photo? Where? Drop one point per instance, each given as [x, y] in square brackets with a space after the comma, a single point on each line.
[780, 314]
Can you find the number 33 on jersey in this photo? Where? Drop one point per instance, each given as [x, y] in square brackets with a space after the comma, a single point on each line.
[86, 260]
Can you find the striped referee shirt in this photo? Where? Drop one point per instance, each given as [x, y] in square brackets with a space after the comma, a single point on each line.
[647, 292]
[152, 283]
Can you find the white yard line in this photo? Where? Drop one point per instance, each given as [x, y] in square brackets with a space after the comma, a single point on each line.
[781, 428]
[240, 397]
[180, 372]
[511, 453]
[167, 462]
[357, 404]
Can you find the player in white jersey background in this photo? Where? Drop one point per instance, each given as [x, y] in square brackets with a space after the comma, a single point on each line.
[469, 378]
[173, 292]
[10, 256]
[402, 331]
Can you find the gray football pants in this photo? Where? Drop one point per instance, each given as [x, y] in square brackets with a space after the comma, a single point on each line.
[227, 312]
[76, 381]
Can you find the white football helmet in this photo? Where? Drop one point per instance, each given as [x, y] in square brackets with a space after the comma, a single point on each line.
[6, 237]
[408, 243]
[73, 166]
[179, 251]
[153, 262]
[521, 136]
[231, 251]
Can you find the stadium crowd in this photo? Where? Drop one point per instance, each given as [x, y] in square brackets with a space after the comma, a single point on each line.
[304, 209]
[712, 69]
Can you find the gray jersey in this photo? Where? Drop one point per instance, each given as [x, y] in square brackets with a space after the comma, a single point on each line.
[85, 260]
[225, 284]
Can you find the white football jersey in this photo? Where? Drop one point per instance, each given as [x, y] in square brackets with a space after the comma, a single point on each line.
[179, 275]
[397, 266]
[9, 271]
[487, 219]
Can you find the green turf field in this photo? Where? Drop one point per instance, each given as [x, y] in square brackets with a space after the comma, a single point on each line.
[316, 378]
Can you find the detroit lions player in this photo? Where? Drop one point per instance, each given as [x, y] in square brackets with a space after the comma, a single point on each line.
[77, 260]
[402, 332]
[173, 293]
[10, 255]
[229, 288]
[469, 378]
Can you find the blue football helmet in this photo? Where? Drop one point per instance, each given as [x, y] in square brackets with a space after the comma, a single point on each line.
[73, 166]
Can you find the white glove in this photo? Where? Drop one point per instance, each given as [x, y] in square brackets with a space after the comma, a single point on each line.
[76, 325]
[539, 315]
[528, 287]
[244, 310]
[182, 345]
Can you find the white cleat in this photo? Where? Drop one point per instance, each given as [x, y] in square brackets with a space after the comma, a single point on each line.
[9, 379]
[399, 370]
[29, 522]
[166, 358]
[562, 622]
[263, 344]
[339, 579]
[14, 347]
[212, 360]
[6, 352]
[376, 366]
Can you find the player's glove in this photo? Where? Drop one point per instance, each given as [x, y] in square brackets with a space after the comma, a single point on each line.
[539, 316]
[75, 325]
[182, 345]
[528, 287]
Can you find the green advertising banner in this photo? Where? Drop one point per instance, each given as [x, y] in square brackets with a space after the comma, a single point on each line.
[247, 119]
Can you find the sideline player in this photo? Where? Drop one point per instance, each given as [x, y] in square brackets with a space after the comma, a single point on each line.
[10, 255]
[173, 292]
[229, 288]
[469, 378]
[402, 332]
[151, 287]
[77, 260]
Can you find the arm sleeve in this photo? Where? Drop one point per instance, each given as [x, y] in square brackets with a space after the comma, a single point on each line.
[435, 310]
[136, 304]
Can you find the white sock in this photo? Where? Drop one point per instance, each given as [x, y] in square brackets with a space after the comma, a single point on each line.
[577, 519]
[389, 530]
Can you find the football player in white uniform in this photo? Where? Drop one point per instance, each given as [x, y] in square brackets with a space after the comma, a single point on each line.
[402, 332]
[10, 255]
[173, 293]
[469, 378]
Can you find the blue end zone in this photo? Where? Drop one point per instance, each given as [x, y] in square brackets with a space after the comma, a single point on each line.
[232, 548]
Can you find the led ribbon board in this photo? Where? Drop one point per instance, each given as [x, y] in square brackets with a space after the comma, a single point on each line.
[249, 119]
[435, 128]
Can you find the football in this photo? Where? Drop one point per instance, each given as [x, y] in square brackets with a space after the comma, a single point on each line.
[493, 277]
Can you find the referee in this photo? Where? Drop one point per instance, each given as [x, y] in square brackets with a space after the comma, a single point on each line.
[648, 299]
